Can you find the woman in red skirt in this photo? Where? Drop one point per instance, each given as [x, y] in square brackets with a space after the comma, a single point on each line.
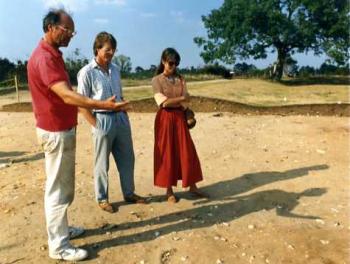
[175, 156]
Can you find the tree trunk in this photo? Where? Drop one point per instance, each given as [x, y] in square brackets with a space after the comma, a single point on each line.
[278, 69]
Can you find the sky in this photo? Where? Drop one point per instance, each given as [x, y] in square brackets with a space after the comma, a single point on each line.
[143, 28]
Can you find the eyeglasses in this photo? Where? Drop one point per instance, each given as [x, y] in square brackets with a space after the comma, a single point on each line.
[172, 63]
[68, 31]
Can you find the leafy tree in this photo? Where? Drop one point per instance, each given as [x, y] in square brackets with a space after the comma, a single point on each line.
[252, 28]
[139, 69]
[243, 68]
[6, 67]
[74, 62]
[124, 63]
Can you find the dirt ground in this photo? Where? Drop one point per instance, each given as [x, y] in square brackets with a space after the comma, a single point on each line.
[279, 189]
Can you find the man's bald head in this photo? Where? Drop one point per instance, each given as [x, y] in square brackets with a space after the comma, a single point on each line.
[54, 18]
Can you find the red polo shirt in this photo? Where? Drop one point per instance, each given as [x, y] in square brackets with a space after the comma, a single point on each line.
[45, 68]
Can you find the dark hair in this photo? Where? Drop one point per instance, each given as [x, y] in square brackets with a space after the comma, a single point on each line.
[168, 54]
[101, 39]
[53, 17]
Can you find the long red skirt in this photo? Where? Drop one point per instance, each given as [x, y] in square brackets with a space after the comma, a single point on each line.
[175, 156]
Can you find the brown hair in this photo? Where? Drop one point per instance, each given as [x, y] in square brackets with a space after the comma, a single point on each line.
[101, 39]
[168, 54]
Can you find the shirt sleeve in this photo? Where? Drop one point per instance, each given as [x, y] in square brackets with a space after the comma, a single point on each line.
[159, 96]
[84, 84]
[50, 72]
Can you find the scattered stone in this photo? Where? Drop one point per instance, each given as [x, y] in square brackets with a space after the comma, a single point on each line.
[225, 224]
[165, 256]
[2, 166]
[184, 258]
[291, 247]
[142, 262]
[218, 114]
[216, 237]
[324, 242]
[219, 261]
[157, 233]
[335, 210]
[320, 221]
[176, 238]
[43, 247]
[320, 151]
[251, 227]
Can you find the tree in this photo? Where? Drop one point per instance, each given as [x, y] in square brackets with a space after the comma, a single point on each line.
[243, 68]
[252, 28]
[124, 63]
[74, 62]
[139, 69]
[6, 67]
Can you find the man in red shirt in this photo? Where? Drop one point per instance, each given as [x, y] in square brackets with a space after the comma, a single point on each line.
[55, 108]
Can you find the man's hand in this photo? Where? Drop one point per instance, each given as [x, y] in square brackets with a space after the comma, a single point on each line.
[116, 106]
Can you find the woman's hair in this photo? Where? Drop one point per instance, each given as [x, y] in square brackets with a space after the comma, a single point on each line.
[101, 39]
[167, 55]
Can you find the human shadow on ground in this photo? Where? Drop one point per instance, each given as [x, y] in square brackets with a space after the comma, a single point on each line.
[10, 154]
[206, 216]
[20, 157]
[283, 202]
[246, 182]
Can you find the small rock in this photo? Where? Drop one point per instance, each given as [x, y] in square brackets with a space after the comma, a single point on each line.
[184, 258]
[320, 221]
[291, 247]
[251, 227]
[324, 242]
[142, 262]
[320, 151]
[43, 247]
[219, 261]
[157, 233]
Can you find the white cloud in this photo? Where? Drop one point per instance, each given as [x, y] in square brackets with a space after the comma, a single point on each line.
[111, 2]
[69, 5]
[101, 21]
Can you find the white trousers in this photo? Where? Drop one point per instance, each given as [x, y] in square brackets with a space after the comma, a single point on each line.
[59, 149]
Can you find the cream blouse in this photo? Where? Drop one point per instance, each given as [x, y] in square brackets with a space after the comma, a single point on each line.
[163, 88]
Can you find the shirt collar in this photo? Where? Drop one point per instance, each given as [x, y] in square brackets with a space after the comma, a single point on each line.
[94, 64]
[46, 46]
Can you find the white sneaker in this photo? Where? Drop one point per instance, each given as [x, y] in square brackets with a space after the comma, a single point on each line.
[74, 232]
[71, 254]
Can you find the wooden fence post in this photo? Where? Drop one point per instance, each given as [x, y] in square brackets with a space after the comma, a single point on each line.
[17, 91]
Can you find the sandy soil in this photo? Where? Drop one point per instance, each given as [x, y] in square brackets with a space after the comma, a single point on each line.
[279, 191]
